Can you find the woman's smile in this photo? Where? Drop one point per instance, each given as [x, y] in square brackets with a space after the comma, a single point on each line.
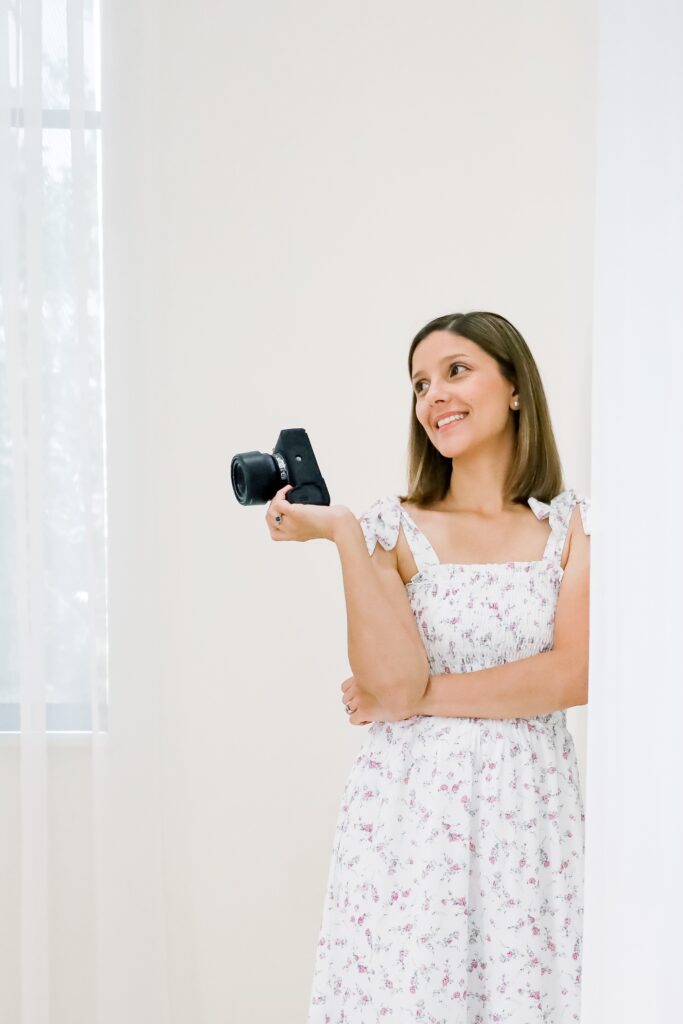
[451, 422]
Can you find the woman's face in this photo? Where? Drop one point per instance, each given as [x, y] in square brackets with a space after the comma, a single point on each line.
[452, 374]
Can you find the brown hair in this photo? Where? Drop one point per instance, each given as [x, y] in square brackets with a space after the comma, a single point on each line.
[535, 470]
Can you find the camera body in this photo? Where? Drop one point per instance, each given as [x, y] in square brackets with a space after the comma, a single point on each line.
[257, 476]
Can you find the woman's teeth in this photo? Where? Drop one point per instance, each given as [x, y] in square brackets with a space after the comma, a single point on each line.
[451, 419]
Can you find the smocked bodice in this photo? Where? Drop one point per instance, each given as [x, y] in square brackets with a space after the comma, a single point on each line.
[473, 616]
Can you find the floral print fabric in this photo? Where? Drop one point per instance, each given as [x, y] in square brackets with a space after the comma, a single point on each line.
[455, 888]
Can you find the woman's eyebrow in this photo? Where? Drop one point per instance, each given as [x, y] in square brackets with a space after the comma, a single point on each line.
[418, 373]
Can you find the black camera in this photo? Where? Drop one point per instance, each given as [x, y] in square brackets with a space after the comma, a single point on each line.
[257, 476]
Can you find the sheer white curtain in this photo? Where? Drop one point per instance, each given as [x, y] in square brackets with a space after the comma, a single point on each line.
[634, 811]
[81, 911]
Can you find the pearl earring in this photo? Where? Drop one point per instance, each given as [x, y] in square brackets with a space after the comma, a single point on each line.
[516, 404]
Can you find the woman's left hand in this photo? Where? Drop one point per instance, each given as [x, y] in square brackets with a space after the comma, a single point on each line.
[365, 707]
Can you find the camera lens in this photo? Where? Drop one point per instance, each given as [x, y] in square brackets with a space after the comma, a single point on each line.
[256, 478]
[238, 481]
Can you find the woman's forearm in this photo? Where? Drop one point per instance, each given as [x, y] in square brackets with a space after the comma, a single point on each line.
[551, 681]
[386, 655]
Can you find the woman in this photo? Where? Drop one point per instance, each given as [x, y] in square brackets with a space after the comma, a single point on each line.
[456, 882]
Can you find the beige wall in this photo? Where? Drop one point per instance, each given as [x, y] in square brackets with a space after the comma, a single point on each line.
[290, 192]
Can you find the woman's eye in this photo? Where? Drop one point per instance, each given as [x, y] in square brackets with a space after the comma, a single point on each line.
[418, 387]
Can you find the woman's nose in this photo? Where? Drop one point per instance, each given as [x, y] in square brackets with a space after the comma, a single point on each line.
[438, 393]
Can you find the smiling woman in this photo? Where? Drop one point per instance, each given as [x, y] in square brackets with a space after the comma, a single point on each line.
[457, 871]
[479, 365]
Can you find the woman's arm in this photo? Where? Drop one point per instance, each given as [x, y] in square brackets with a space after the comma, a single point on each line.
[550, 681]
[531, 686]
[386, 654]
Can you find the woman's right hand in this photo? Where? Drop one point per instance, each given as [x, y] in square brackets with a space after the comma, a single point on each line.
[303, 522]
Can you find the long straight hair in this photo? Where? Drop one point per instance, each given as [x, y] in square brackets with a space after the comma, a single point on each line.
[535, 469]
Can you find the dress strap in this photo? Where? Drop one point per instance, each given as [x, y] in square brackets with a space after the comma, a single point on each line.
[559, 512]
[424, 554]
[382, 523]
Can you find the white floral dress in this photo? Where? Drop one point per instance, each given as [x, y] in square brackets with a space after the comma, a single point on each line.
[455, 889]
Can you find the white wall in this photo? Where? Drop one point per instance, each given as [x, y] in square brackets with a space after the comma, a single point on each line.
[290, 192]
[633, 897]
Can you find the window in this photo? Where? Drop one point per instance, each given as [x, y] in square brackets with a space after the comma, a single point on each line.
[53, 636]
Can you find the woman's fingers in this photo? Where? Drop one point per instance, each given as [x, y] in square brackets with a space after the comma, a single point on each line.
[278, 506]
[280, 500]
[350, 697]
